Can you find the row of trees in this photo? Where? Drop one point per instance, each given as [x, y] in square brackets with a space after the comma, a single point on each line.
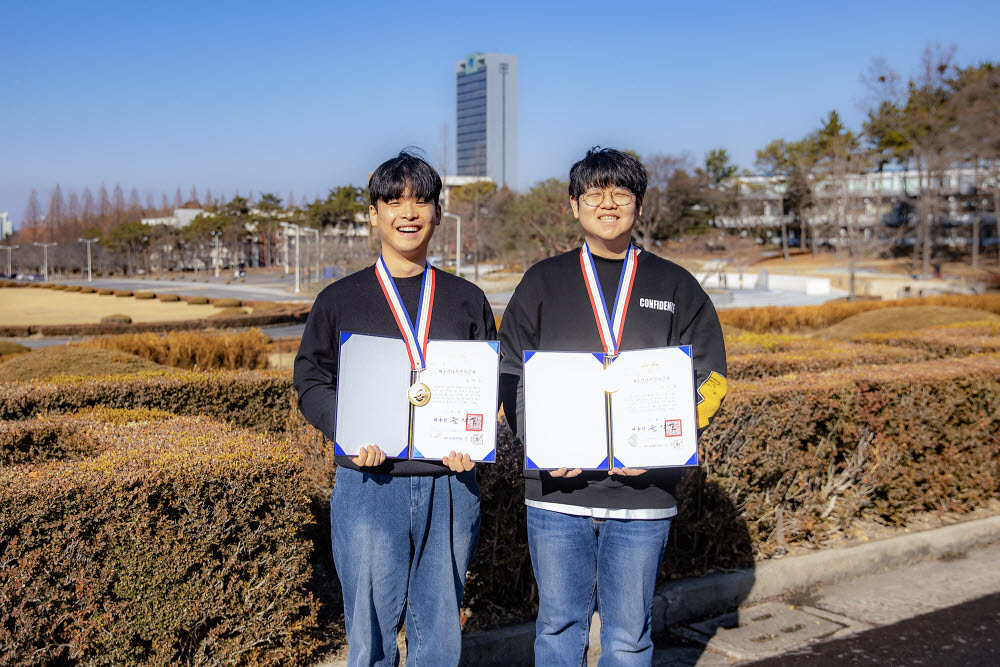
[942, 116]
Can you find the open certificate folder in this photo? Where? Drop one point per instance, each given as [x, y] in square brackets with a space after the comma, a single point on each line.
[372, 408]
[637, 413]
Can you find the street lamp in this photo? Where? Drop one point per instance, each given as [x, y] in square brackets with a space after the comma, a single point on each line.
[298, 242]
[8, 248]
[45, 252]
[458, 241]
[216, 235]
[88, 242]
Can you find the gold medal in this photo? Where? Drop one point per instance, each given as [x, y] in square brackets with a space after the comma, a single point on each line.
[419, 394]
[612, 378]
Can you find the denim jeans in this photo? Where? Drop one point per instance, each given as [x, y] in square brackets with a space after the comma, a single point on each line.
[403, 544]
[582, 564]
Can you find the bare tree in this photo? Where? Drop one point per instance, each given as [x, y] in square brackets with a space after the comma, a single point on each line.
[916, 118]
[32, 217]
[657, 212]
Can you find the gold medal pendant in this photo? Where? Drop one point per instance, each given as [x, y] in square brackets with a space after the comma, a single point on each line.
[419, 394]
[612, 378]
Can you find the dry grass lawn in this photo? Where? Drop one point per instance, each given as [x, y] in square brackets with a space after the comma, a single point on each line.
[25, 306]
[904, 318]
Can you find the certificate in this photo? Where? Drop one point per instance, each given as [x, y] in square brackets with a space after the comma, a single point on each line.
[637, 413]
[372, 408]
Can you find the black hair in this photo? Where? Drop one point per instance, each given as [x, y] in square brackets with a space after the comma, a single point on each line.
[605, 168]
[407, 170]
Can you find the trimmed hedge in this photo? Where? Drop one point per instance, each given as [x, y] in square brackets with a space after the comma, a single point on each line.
[10, 349]
[821, 358]
[197, 301]
[178, 544]
[188, 349]
[141, 296]
[123, 292]
[947, 341]
[881, 442]
[227, 303]
[254, 399]
[117, 318]
[774, 319]
[206, 322]
[168, 298]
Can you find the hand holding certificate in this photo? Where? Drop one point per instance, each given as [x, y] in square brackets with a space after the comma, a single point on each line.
[572, 421]
[374, 379]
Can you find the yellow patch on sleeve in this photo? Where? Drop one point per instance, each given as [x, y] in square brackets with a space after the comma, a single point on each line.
[711, 391]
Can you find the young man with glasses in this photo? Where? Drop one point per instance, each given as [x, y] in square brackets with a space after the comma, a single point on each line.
[403, 531]
[597, 537]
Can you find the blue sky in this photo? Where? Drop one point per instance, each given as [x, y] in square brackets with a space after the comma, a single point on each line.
[305, 96]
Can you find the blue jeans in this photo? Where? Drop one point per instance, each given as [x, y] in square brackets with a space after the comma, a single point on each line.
[582, 564]
[403, 544]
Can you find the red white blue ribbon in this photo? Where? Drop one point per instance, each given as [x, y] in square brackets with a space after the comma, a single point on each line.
[609, 327]
[414, 337]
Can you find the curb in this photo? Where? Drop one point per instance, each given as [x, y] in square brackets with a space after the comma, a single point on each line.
[688, 599]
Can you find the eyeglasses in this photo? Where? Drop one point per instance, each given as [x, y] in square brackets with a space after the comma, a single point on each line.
[620, 196]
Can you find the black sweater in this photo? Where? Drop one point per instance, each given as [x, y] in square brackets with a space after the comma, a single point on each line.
[550, 310]
[356, 304]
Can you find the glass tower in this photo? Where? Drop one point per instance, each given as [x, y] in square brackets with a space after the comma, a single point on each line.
[486, 117]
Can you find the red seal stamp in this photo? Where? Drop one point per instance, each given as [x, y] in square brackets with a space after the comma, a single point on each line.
[473, 422]
[672, 428]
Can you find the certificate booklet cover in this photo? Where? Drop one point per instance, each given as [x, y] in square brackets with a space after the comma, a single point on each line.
[637, 413]
[372, 406]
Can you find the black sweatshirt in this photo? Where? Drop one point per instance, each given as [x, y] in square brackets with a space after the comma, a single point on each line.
[356, 304]
[550, 310]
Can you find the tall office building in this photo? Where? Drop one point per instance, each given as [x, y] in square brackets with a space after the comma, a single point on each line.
[486, 117]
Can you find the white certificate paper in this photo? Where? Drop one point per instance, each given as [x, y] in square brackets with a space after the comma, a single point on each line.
[571, 421]
[372, 407]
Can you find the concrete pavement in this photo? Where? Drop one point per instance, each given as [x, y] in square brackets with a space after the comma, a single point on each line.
[790, 606]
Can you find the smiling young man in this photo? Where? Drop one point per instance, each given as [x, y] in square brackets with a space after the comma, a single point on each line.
[403, 531]
[597, 538]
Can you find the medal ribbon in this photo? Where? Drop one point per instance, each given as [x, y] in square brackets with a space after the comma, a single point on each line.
[609, 327]
[414, 337]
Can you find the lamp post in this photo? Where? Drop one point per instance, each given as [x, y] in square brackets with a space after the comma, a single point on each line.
[8, 248]
[458, 241]
[216, 235]
[45, 253]
[298, 241]
[90, 275]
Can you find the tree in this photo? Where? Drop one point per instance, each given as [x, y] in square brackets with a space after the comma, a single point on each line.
[658, 218]
[130, 238]
[54, 219]
[268, 208]
[473, 201]
[838, 153]
[790, 162]
[976, 105]
[915, 122]
[32, 222]
[720, 172]
[540, 222]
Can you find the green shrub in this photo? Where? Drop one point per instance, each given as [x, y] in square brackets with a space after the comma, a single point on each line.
[823, 357]
[178, 544]
[168, 298]
[198, 300]
[117, 318]
[227, 303]
[43, 439]
[192, 349]
[144, 295]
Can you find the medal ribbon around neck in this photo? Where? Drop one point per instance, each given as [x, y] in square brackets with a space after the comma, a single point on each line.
[414, 337]
[609, 328]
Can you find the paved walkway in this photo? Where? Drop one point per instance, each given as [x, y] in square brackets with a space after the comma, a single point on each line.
[795, 624]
